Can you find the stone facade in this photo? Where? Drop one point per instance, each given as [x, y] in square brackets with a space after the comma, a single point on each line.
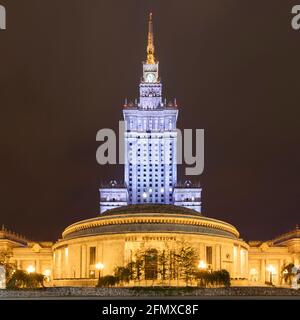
[71, 261]
[268, 258]
[27, 255]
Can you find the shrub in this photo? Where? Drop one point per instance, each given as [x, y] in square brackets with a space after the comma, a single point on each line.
[107, 281]
[23, 280]
[214, 278]
[123, 274]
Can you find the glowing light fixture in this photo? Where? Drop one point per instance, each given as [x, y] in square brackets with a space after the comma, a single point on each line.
[47, 273]
[202, 265]
[271, 269]
[30, 269]
[99, 266]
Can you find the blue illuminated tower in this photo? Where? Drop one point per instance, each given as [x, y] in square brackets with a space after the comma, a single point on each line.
[150, 138]
[150, 170]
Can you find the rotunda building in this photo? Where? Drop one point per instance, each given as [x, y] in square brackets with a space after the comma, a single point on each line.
[118, 235]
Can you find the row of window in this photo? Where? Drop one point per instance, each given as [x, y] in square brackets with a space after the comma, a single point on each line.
[152, 138]
[150, 144]
[145, 166]
[139, 172]
[149, 156]
[150, 184]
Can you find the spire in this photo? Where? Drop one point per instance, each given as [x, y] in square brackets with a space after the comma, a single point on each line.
[150, 46]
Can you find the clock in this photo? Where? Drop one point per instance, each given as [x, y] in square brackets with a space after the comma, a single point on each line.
[150, 77]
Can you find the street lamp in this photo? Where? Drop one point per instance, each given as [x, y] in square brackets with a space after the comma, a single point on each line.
[99, 266]
[202, 265]
[271, 269]
[30, 269]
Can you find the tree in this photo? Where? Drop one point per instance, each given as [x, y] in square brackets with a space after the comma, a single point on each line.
[286, 273]
[222, 277]
[150, 264]
[163, 264]
[172, 266]
[186, 257]
[5, 260]
[138, 266]
[123, 274]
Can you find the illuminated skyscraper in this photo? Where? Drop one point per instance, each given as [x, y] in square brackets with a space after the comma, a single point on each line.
[150, 147]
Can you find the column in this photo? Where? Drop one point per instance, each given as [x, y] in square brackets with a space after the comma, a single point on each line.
[37, 266]
[281, 264]
[238, 270]
[217, 257]
[202, 251]
[263, 271]
[247, 263]
[83, 261]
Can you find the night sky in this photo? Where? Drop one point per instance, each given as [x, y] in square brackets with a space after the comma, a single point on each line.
[66, 67]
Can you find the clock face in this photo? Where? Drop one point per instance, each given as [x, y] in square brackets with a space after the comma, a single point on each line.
[150, 77]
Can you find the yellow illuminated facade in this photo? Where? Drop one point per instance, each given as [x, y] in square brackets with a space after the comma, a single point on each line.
[95, 247]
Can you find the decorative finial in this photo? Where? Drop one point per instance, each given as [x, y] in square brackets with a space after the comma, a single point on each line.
[150, 46]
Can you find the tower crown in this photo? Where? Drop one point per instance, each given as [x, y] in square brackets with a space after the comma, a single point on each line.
[150, 66]
[150, 46]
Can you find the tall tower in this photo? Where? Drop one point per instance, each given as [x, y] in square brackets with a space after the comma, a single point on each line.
[150, 170]
[150, 137]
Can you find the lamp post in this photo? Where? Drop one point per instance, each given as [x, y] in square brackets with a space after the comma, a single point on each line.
[271, 269]
[99, 266]
[201, 266]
